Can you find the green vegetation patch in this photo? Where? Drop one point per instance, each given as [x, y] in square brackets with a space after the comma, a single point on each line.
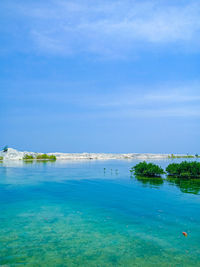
[147, 169]
[28, 157]
[45, 157]
[172, 156]
[189, 170]
[1, 158]
[39, 157]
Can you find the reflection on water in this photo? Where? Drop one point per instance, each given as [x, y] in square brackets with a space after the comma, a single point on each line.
[30, 161]
[150, 181]
[186, 186]
[37, 161]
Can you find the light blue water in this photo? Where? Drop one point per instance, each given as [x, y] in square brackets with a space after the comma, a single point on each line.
[75, 214]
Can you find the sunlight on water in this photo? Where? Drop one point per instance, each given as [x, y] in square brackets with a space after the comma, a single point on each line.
[80, 214]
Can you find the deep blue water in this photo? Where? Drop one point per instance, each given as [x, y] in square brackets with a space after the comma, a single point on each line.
[78, 214]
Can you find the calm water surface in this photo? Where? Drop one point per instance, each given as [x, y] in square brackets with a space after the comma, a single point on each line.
[78, 214]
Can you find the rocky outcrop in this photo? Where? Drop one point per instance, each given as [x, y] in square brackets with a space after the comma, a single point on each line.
[13, 154]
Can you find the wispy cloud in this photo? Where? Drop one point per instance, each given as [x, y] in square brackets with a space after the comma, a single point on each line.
[163, 101]
[110, 28]
[132, 102]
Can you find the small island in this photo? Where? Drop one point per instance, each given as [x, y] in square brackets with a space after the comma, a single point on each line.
[184, 170]
[147, 169]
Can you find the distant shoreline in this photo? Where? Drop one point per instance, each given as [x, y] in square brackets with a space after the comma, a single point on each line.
[13, 154]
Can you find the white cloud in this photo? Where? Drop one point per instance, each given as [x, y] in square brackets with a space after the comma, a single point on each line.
[111, 28]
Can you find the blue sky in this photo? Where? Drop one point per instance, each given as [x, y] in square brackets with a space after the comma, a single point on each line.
[100, 76]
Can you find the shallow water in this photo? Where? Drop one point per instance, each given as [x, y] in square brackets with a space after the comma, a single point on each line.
[78, 214]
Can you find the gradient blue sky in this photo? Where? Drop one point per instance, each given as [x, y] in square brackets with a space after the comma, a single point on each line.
[100, 76]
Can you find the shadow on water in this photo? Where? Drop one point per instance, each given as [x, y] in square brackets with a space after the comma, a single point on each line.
[150, 181]
[186, 186]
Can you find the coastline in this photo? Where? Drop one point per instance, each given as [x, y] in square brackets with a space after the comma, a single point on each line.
[13, 154]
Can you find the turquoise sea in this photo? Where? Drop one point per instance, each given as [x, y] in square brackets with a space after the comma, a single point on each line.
[79, 214]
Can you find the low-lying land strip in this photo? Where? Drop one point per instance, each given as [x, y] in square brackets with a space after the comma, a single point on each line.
[13, 154]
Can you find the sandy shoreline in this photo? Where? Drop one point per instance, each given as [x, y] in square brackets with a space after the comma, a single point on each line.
[13, 154]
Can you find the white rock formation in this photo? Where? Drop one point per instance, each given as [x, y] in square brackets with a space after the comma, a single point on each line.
[13, 154]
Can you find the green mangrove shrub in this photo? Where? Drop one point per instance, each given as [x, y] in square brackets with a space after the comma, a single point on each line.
[28, 157]
[45, 157]
[184, 170]
[147, 169]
